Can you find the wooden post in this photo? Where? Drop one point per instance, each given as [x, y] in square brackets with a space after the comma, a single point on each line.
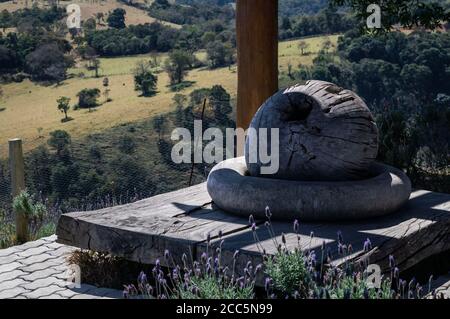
[257, 45]
[17, 185]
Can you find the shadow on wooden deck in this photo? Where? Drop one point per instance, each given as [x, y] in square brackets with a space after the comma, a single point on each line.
[181, 221]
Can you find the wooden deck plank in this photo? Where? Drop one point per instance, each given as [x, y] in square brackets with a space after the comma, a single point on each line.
[181, 221]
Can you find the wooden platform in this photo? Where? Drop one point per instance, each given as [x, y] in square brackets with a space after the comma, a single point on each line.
[181, 221]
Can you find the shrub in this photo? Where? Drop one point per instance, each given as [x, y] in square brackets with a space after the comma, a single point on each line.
[289, 274]
[87, 98]
[7, 231]
[35, 213]
[204, 279]
[144, 80]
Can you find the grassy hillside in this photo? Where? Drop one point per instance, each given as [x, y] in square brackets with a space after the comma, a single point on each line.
[90, 8]
[30, 107]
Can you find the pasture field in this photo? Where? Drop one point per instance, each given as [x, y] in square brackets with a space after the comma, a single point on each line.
[290, 53]
[30, 110]
[90, 8]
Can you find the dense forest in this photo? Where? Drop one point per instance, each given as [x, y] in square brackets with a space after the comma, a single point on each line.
[404, 80]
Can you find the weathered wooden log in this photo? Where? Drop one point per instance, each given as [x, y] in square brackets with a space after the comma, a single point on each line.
[326, 133]
[17, 165]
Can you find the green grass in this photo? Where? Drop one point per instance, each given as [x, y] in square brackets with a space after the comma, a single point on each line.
[29, 106]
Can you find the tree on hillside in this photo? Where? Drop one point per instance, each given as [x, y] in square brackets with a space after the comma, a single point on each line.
[303, 46]
[87, 98]
[144, 79]
[327, 45]
[177, 65]
[219, 54]
[59, 140]
[47, 63]
[116, 19]
[64, 107]
[159, 124]
[220, 99]
[286, 23]
[106, 90]
[90, 24]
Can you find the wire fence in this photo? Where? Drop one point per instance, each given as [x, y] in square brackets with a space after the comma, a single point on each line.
[119, 165]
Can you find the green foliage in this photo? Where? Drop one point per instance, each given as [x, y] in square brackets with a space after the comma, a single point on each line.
[209, 287]
[127, 144]
[159, 124]
[288, 272]
[59, 140]
[7, 231]
[326, 21]
[64, 106]
[134, 39]
[177, 65]
[408, 13]
[116, 19]
[47, 63]
[356, 287]
[144, 79]
[35, 212]
[87, 98]
[401, 78]
[219, 54]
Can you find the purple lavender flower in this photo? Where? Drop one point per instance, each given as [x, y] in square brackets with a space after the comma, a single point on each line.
[236, 254]
[340, 249]
[396, 272]
[391, 261]
[268, 213]
[296, 226]
[367, 245]
[175, 274]
[258, 268]
[340, 238]
[166, 254]
[253, 227]
[267, 284]
[203, 257]
[350, 249]
[142, 278]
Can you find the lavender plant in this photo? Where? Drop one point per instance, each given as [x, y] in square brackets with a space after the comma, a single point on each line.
[207, 278]
[294, 273]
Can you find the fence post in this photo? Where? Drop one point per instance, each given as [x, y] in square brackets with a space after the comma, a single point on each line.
[17, 167]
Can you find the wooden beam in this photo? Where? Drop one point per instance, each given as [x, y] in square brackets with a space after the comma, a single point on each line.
[17, 185]
[257, 44]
